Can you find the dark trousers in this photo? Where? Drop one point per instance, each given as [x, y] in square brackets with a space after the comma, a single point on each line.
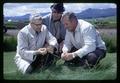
[40, 62]
[92, 58]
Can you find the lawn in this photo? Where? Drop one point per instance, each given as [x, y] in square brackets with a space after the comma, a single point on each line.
[106, 70]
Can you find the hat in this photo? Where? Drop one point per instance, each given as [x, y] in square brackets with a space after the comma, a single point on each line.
[58, 7]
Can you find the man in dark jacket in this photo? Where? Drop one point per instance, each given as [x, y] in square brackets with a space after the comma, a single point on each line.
[54, 24]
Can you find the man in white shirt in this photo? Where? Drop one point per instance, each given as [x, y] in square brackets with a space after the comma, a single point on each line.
[30, 46]
[83, 44]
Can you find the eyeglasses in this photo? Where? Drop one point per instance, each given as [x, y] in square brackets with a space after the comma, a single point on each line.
[37, 24]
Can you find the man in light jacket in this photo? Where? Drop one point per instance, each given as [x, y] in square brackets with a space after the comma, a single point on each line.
[83, 44]
[30, 45]
[54, 24]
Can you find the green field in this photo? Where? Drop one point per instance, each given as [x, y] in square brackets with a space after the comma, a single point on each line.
[101, 23]
[104, 23]
[106, 70]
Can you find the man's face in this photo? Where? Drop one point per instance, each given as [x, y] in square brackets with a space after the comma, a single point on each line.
[56, 15]
[68, 24]
[37, 25]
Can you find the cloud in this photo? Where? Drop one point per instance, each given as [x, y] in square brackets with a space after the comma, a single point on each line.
[17, 9]
[78, 7]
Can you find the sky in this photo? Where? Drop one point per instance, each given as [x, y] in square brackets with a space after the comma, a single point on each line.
[19, 9]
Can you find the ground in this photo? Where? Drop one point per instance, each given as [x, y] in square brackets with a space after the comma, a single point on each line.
[14, 32]
[106, 70]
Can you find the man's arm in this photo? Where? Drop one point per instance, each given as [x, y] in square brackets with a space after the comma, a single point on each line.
[67, 43]
[89, 37]
[23, 48]
[51, 40]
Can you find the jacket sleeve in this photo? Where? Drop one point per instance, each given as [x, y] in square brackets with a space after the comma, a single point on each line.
[51, 40]
[62, 31]
[67, 43]
[23, 47]
[89, 37]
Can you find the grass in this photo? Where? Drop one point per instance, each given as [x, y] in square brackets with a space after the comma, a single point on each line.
[106, 70]
[104, 22]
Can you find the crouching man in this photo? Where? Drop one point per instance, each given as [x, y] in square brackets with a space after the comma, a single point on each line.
[83, 44]
[31, 53]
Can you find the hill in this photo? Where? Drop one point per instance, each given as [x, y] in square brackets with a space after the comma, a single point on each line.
[86, 14]
[96, 13]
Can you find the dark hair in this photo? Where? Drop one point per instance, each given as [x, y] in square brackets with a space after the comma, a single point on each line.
[58, 7]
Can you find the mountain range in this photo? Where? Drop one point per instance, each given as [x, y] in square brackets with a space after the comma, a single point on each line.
[86, 14]
[96, 13]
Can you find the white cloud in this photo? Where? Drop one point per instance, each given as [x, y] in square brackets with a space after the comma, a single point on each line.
[16, 9]
[78, 7]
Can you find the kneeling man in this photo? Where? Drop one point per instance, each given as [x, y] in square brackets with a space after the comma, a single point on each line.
[83, 43]
[31, 53]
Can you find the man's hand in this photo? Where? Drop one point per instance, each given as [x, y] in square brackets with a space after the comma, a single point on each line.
[50, 49]
[67, 56]
[42, 51]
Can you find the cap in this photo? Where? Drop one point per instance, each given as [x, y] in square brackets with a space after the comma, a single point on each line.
[58, 7]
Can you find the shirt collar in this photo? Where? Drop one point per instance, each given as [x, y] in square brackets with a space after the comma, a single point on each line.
[42, 28]
[33, 31]
[78, 27]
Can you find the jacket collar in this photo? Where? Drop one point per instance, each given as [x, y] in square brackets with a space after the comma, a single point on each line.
[78, 27]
